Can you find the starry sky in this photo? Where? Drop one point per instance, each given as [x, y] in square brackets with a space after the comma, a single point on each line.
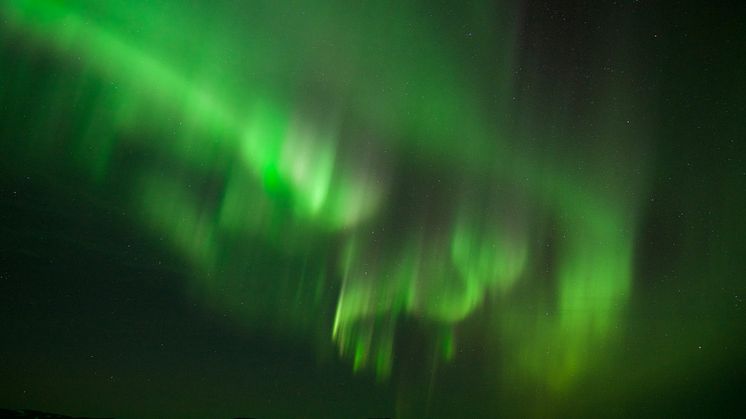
[372, 209]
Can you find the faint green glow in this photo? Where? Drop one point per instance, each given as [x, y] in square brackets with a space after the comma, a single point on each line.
[302, 182]
[484, 256]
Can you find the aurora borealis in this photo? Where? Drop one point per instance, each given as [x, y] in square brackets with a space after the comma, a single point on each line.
[378, 209]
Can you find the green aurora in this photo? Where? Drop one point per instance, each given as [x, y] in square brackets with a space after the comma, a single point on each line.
[328, 173]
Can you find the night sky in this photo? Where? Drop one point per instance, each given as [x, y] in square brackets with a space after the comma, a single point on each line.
[340, 209]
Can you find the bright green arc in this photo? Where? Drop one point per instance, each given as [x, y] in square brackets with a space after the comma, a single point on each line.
[295, 176]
